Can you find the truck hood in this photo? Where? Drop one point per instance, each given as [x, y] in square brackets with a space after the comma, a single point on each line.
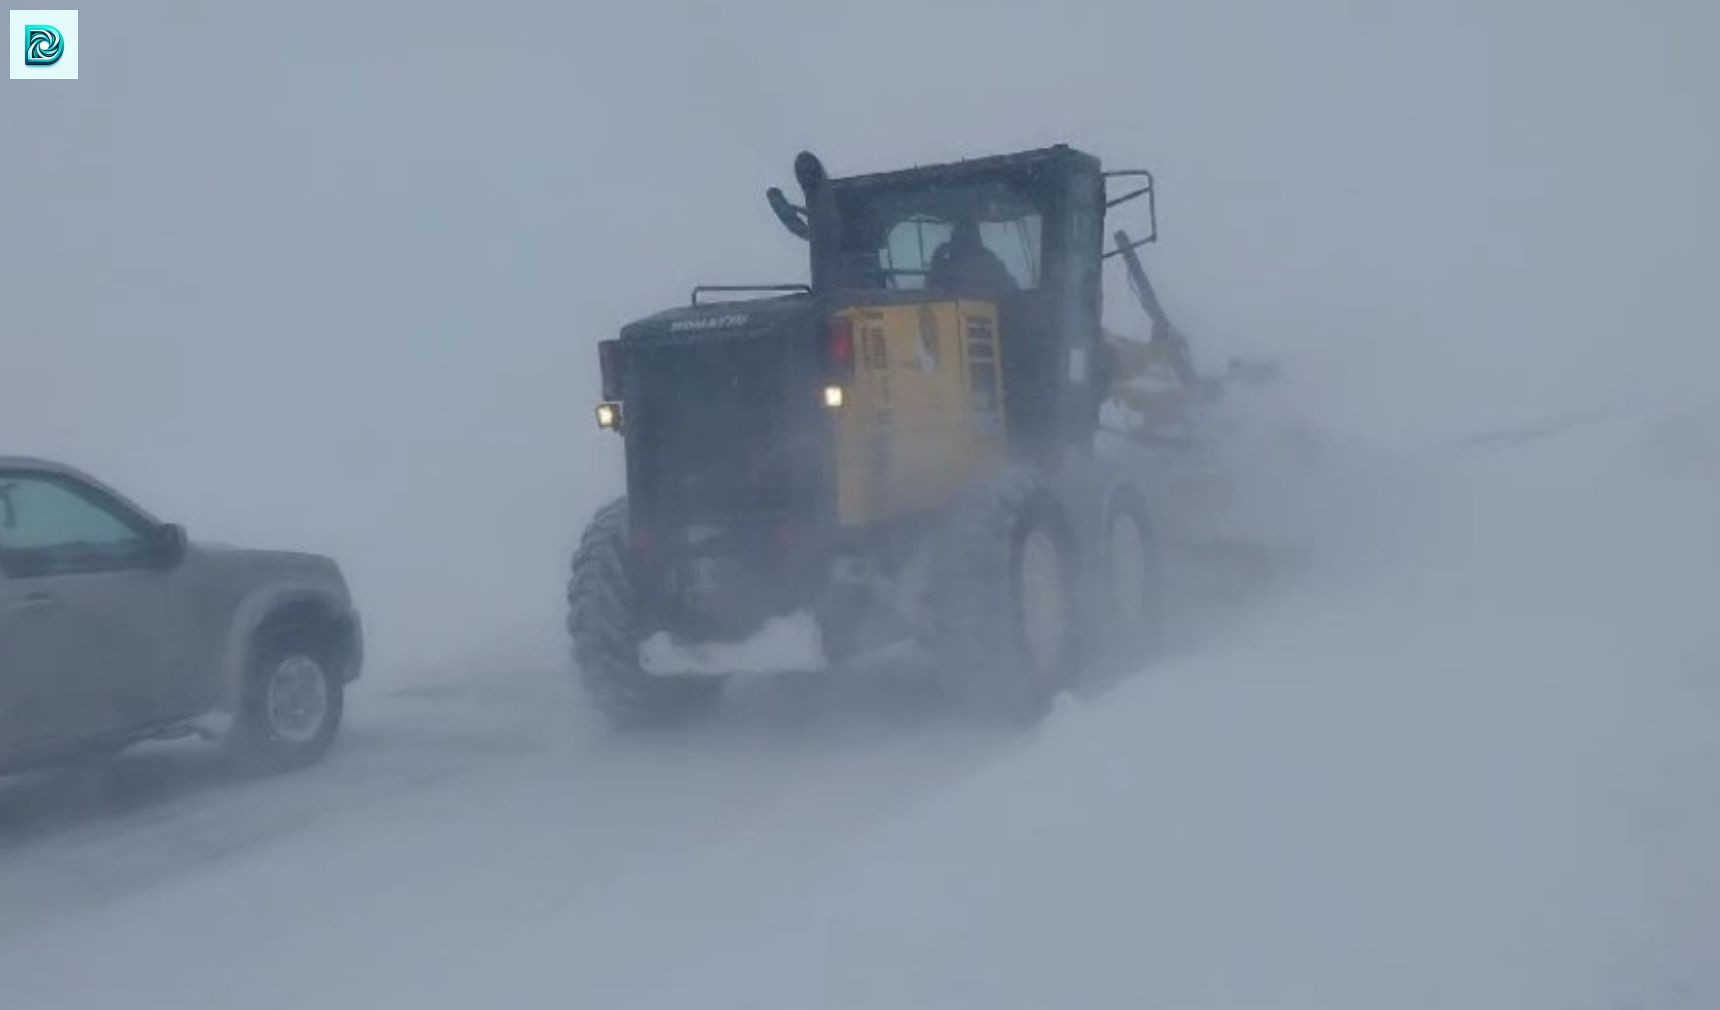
[256, 565]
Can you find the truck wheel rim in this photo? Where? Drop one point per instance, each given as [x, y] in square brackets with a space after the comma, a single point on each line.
[1044, 618]
[297, 700]
[1128, 568]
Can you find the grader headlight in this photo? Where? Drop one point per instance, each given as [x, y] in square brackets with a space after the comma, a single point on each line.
[834, 397]
[609, 416]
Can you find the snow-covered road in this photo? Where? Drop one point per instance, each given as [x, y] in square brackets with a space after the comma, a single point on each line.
[1470, 756]
[452, 818]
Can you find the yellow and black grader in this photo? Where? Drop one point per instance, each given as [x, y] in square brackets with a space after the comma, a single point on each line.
[902, 449]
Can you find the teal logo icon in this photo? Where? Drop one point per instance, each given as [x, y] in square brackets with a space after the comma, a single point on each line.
[43, 45]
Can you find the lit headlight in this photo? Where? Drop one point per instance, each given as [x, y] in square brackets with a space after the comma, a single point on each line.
[834, 396]
[609, 416]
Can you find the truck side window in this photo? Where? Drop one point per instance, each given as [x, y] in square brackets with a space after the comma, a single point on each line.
[59, 527]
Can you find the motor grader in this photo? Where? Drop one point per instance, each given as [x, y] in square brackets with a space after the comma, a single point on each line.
[901, 449]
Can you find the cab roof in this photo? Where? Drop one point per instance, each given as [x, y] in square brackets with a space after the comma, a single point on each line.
[969, 167]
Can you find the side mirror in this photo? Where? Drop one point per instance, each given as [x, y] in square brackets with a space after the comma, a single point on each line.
[167, 546]
[793, 218]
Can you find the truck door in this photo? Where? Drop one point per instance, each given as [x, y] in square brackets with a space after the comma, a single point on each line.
[80, 633]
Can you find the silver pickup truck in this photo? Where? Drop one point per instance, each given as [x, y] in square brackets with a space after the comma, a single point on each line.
[114, 629]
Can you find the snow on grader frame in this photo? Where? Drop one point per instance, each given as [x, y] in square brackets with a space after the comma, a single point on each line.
[901, 450]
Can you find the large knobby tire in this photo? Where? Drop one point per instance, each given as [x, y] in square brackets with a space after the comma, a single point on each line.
[601, 620]
[1132, 606]
[292, 706]
[1003, 598]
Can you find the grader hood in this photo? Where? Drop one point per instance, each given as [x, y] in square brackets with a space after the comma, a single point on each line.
[720, 408]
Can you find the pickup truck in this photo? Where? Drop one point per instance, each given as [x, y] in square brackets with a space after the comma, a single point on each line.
[115, 629]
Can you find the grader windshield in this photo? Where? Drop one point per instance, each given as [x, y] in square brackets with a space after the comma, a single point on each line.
[934, 234]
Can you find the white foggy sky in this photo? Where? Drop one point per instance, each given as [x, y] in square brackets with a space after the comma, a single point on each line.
[331, 277]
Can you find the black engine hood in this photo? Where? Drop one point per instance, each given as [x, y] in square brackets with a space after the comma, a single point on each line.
[724, 417]
[715, 320]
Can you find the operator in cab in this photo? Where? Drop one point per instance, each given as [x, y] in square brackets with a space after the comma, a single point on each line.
[965, 264]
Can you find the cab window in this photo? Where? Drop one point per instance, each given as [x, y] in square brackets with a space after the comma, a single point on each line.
[907, 256]
[905, 239]
[49, 523]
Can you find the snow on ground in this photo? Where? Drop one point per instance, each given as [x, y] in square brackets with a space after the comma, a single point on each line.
[1481, 771]
[478, 837]
[1468, 755]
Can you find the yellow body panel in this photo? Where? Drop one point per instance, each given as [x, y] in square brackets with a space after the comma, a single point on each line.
[923, 416]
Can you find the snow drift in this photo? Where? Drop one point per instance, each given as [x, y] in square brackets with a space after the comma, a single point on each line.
[1478, 770]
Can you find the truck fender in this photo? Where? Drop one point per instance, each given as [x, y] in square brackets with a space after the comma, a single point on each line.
[257, 607]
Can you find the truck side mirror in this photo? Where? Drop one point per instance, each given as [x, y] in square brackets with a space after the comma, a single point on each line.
[167, 545]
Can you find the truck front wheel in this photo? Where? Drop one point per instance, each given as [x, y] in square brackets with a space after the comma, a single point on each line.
[292, 703]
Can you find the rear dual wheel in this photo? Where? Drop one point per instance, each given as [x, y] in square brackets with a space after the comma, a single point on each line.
[1042, 598]
[1017, 617]
[1130, 584]
[1002, 598]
